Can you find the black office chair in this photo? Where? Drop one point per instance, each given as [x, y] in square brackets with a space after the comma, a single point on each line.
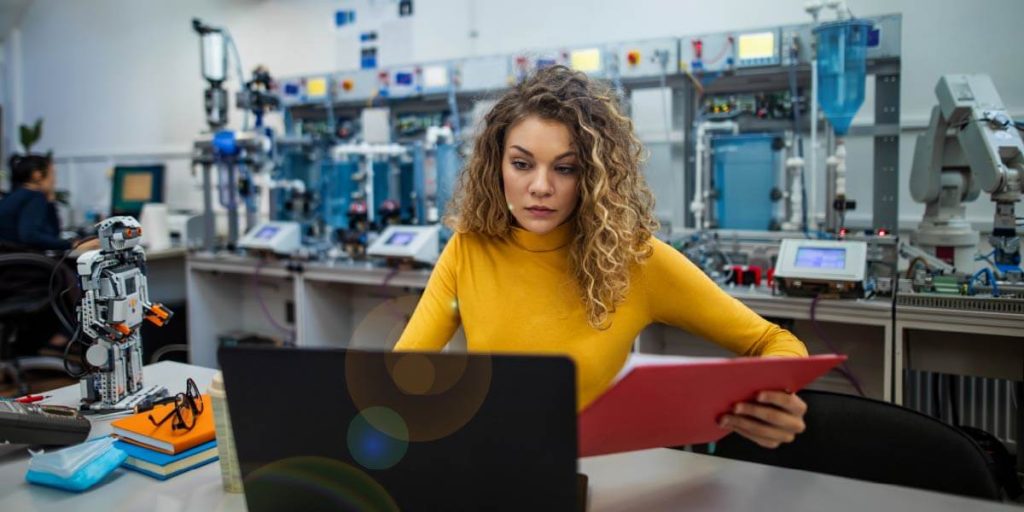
[24, 301]
[871, 440]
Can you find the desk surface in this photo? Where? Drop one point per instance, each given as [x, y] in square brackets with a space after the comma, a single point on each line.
[649, 480]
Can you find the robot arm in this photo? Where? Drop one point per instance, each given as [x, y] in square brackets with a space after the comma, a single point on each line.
[971, 145]
[157, 314]
[989, 140]
[985, 144]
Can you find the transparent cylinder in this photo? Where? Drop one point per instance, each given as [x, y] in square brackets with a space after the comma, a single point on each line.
[214, 56]
[842, 52]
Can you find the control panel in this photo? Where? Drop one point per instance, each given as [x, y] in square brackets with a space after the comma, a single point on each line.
[359, 85]
[811, 268]
[308, 89]
[646, 59]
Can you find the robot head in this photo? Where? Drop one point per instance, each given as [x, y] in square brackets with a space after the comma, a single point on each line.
[119, 233]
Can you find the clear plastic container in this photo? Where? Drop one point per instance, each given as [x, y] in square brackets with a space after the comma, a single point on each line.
[230, 471]
[842, 50]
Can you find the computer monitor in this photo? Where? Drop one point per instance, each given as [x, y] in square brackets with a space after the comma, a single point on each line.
[134, 186]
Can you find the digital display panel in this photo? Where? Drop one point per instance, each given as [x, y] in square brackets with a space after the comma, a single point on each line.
[403, 78]
[138, 187]
[266, 233]
[316, 87]
[401, 238]
[820, 257]
[756, 46]
[587, 61]
[435, 77]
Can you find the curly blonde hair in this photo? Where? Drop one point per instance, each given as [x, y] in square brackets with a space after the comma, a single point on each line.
[614, 219]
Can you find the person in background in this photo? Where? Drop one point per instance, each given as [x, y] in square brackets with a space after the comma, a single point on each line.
[29, 222]
[554, 253]
[28, 215]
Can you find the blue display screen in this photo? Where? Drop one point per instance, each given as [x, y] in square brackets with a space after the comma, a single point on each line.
[402, 78]
[401, 238]
[820, 257]
[266, 233]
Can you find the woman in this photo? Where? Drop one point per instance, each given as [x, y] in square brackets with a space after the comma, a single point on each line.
[554, 253]
[28, 221]
[28, 216]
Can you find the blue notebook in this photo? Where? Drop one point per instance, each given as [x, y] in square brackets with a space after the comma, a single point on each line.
[163, 466]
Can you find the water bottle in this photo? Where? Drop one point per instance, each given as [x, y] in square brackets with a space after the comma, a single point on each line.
[229, 468]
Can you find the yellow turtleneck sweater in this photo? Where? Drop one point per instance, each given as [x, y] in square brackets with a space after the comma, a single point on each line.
[518, 296]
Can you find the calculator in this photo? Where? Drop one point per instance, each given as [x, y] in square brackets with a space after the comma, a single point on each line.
[41, 424]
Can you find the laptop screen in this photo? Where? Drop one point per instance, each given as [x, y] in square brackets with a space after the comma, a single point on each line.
[354, 430]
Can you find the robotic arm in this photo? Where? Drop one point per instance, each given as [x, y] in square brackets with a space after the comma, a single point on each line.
[971, 145]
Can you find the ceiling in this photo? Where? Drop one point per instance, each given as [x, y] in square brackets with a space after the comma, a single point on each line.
[10, 14]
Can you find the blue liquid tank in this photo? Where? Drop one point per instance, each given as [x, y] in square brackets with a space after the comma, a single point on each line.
[842, 49]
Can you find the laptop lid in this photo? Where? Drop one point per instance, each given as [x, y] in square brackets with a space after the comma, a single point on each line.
[323, 429]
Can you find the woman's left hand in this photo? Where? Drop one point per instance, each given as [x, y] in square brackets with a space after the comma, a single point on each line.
[775, 418]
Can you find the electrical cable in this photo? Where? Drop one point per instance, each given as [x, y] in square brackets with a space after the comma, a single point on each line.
[238, 69]
[392, 272]
[56, 300]
[988, 259]
[913, 264]
[844, 370]
[991, 281]
[67, 351]
[263, 305]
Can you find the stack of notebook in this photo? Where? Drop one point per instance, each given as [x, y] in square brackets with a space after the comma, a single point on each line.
[162, 452]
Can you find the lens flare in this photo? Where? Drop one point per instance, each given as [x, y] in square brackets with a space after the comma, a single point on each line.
[378, 438]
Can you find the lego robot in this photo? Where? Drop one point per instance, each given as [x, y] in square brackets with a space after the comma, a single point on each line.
[115, 301]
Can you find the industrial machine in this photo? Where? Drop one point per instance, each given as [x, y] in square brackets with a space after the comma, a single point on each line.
[407, 245]
[114, 304]
[237, 156]
[815, 268]
[841, 67]
[349, 167]
[275, 237]
[971, 145]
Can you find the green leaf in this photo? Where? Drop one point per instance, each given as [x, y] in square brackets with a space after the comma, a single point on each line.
[31, 134]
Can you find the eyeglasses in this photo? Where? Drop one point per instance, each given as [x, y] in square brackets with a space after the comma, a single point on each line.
[187, 406]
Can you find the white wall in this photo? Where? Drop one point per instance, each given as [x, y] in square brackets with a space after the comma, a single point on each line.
[121, 77]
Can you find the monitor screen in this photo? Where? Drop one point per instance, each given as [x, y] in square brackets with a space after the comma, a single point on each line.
[756, 46]
[135, 185]
[587, 61]
[435, 77]
[138, 187]
[267, 233]
[820, 257]
[403, 78]
[401, 238]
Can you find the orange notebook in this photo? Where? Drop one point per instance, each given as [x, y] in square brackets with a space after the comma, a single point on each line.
[139, 430]
[673, 403]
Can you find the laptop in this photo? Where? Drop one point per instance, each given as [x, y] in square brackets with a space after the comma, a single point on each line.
[330, 429]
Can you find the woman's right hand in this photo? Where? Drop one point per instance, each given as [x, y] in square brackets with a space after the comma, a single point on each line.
[87, 245]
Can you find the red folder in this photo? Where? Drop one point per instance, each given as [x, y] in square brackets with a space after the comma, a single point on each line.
[657, 405]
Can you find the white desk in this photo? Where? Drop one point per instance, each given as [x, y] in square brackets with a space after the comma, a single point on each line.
[650, 480]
